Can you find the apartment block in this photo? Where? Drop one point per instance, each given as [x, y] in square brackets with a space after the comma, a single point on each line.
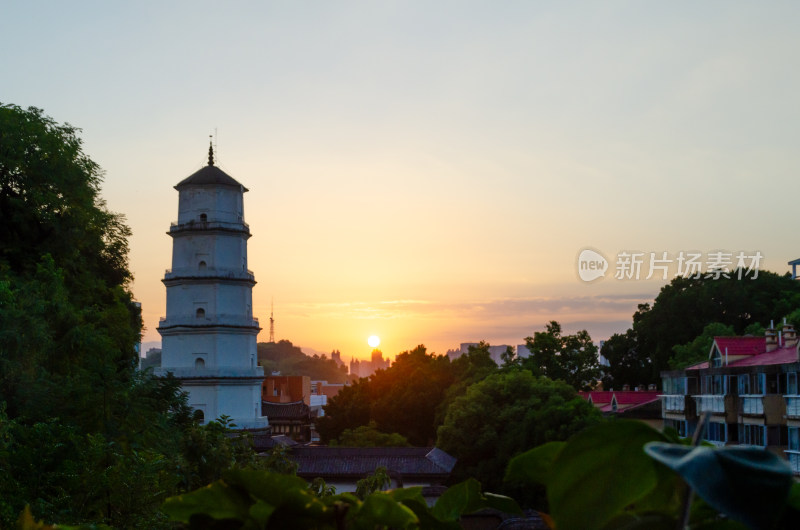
[748, 387]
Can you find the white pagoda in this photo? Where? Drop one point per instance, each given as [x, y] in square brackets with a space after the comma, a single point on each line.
[209, 333]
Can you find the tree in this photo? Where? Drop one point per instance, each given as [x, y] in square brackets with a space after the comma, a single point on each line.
[625, 364]
[348, 409]
[82, 433]
[569, 358]
[475, 365]
[285, 357]
[370, 436]
[505, 414]
[409, 397]
[697, 351]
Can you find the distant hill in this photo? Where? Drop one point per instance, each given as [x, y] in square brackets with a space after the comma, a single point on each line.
[288, 359]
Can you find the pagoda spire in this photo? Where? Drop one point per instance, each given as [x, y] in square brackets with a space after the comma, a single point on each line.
[210, 152]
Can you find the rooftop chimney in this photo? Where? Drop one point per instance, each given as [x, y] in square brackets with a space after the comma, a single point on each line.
[789, 335]
[772, 337]
[626, 387]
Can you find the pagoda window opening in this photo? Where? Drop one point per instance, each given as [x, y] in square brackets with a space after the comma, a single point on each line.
[201, 313]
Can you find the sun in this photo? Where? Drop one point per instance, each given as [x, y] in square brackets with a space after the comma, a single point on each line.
[373, 341]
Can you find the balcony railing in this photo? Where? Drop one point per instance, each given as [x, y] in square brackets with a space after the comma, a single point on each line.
[792, 406]
[794, 460]
[208, 272]
[674, 402]
[211, 224]
[714, 403]
[213, 320]
[752, 405]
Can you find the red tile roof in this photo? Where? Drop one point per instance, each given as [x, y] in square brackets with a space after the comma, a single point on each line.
[598, 397]
[753, 351]
[636, 398]
[779, 356]
[626, 399]
[741, 345]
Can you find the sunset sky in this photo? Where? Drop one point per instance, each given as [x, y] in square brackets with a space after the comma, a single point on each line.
[428, 172]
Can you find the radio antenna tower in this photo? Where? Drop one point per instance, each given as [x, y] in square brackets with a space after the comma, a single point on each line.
[271, 321]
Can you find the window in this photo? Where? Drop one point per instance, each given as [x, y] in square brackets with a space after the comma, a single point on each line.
[199, 363]
[201, 313]
[791, 383]
[759, 383]
[794, 439]
[716, 432]
[744, 384]
[199, 415]
[752, 435]
[716, 359]
[201, 265]
[678, 425]
[203, 218]
[675, 385]
[713, 384]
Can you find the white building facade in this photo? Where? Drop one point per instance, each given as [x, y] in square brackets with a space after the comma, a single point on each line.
[209, 333]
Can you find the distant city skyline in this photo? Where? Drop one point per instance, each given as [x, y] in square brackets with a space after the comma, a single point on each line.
[429, 172]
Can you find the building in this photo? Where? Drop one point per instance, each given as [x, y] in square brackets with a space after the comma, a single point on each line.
[336, 355]
[749, 389]
[209, 333]
[638, 404]
[343, 467]
[286, 389]
[324, 388]
[152, 359]
[522, 351]
[495, 352]
[367, 368]
[292, 420]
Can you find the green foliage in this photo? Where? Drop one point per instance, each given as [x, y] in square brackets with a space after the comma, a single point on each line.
[369, 436]
[348, 409]
[415, 382]
[625, 364]
[261, 500]
[569, 358]
[277, 461]
[376, 482]
[506, 414]
[475, 365]
[288, 359]
[319, 488]
[466, 497]
[697, 351]
[604, 477]
[84, 437]
[210, 450]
